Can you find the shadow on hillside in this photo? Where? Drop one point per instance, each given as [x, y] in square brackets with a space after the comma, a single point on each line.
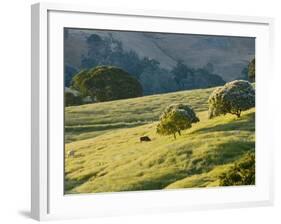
[245, 123]
[223, 154]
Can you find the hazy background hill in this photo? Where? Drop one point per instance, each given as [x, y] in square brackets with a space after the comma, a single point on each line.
[154, 58]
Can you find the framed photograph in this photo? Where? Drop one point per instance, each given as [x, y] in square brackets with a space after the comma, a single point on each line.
[138, 111]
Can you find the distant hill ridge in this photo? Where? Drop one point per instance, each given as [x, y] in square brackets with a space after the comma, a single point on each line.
[162, 52]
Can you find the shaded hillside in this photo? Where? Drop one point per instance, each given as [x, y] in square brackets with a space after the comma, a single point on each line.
[228, 55]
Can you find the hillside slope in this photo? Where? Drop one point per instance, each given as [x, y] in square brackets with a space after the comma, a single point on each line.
[90, 120]
[113, 159]
[229, 55]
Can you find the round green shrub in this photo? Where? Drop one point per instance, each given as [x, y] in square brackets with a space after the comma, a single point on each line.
[107, 83]
[242, 173]
[175, 118]
[234, 97]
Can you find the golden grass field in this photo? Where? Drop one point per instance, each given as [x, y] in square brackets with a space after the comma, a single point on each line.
[109, 156]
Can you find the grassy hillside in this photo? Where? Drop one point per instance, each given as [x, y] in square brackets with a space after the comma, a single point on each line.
[91, 120]
[109, 157]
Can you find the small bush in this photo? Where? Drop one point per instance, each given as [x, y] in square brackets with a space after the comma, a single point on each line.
[71, 100]
[234, 97]
[175, 118]
[242, 173]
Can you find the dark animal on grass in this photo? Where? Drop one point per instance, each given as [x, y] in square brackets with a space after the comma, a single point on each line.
[145, 139]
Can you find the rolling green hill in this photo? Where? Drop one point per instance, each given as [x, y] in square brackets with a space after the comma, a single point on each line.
[90, 120]
[109, 156]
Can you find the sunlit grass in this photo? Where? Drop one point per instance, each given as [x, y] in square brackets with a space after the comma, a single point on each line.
[111, 157]
[91, 120]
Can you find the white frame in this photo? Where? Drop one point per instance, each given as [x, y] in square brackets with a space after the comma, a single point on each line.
[42, 187]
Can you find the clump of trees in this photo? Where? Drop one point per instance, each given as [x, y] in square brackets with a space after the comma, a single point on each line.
[252, 70]
[234, 97]
[107, 50]
[242, 173]
[190, 78]
[106, 83]
[175, 118]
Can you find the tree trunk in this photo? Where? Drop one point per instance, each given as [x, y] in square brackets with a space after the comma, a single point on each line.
[174, 135]
[238, 114]
[179, 132]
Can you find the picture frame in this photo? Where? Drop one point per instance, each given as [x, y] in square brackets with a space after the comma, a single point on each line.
[48, 200]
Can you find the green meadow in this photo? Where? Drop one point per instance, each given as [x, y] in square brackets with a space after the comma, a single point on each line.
[109, 156]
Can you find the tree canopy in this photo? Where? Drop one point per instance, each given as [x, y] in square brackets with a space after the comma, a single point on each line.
[175, 118]
[106, 83]
[190, 78]
[234, 97]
